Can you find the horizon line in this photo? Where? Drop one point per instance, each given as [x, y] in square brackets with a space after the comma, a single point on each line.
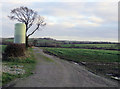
[69, 40]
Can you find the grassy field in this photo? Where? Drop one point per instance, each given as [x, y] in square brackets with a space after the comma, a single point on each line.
[102, 46]
[9, 40]
[88, 55]
[27, 63]
[2, 48]
[43, 40]
[102, 62]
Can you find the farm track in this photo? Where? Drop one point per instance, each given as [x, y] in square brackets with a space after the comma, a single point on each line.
[53, 72]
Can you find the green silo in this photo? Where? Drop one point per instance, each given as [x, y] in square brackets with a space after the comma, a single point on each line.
[20, 33]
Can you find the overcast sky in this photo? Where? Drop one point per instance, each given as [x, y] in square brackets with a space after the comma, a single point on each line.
[91, 20]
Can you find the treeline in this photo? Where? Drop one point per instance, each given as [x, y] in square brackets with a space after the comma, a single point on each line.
[51, 42]
[87, 42]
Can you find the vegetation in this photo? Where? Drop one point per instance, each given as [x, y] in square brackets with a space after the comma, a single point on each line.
[6, 77]
[49, 42]
[15, 50]
[9, 40]
[28, 62]
[88, 55]
[2, 48]
[44, 42]
[91, 46]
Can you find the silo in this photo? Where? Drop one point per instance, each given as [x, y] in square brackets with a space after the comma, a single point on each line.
[20, 33]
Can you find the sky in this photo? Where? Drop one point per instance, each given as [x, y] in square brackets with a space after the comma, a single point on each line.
[80, 20]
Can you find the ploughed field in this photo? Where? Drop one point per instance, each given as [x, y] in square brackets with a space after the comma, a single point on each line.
[101, 62]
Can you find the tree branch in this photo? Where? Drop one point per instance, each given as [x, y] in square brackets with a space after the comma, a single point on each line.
[27, 16]
[34, 30]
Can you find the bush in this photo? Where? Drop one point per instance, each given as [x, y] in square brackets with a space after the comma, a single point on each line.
[15, 50]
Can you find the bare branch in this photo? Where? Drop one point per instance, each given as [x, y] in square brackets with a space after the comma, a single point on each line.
[34, 30]
[29, 17]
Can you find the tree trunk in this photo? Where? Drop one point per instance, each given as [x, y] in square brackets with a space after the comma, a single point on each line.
[26, 42]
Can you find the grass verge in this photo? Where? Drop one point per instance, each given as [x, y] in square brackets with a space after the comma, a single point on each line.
[27, 63]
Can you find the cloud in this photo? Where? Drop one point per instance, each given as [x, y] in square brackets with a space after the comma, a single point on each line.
[95, 19]
[64, 24]
[108, 10]
[76, 38]
[81, 20]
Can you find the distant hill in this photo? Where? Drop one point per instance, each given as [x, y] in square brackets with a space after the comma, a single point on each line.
[53, 41]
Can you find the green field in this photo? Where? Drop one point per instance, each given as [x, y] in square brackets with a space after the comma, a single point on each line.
[9, 40]
[2, 48]
[88, 55]
[44, 40]
[102, 46]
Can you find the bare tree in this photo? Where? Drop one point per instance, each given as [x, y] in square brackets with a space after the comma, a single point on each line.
[29, 17]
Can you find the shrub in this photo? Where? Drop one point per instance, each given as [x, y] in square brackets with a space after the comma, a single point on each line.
[15, 50]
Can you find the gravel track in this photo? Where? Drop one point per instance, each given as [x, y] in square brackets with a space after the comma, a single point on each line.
[53, 72]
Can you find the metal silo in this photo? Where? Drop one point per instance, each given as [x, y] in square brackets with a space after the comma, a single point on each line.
[20, 33]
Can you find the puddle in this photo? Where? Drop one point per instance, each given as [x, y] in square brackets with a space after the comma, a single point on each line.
[75, 63]
[84, 63]
[116, 78]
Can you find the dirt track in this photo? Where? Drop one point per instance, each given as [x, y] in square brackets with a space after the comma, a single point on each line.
[54, 72]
